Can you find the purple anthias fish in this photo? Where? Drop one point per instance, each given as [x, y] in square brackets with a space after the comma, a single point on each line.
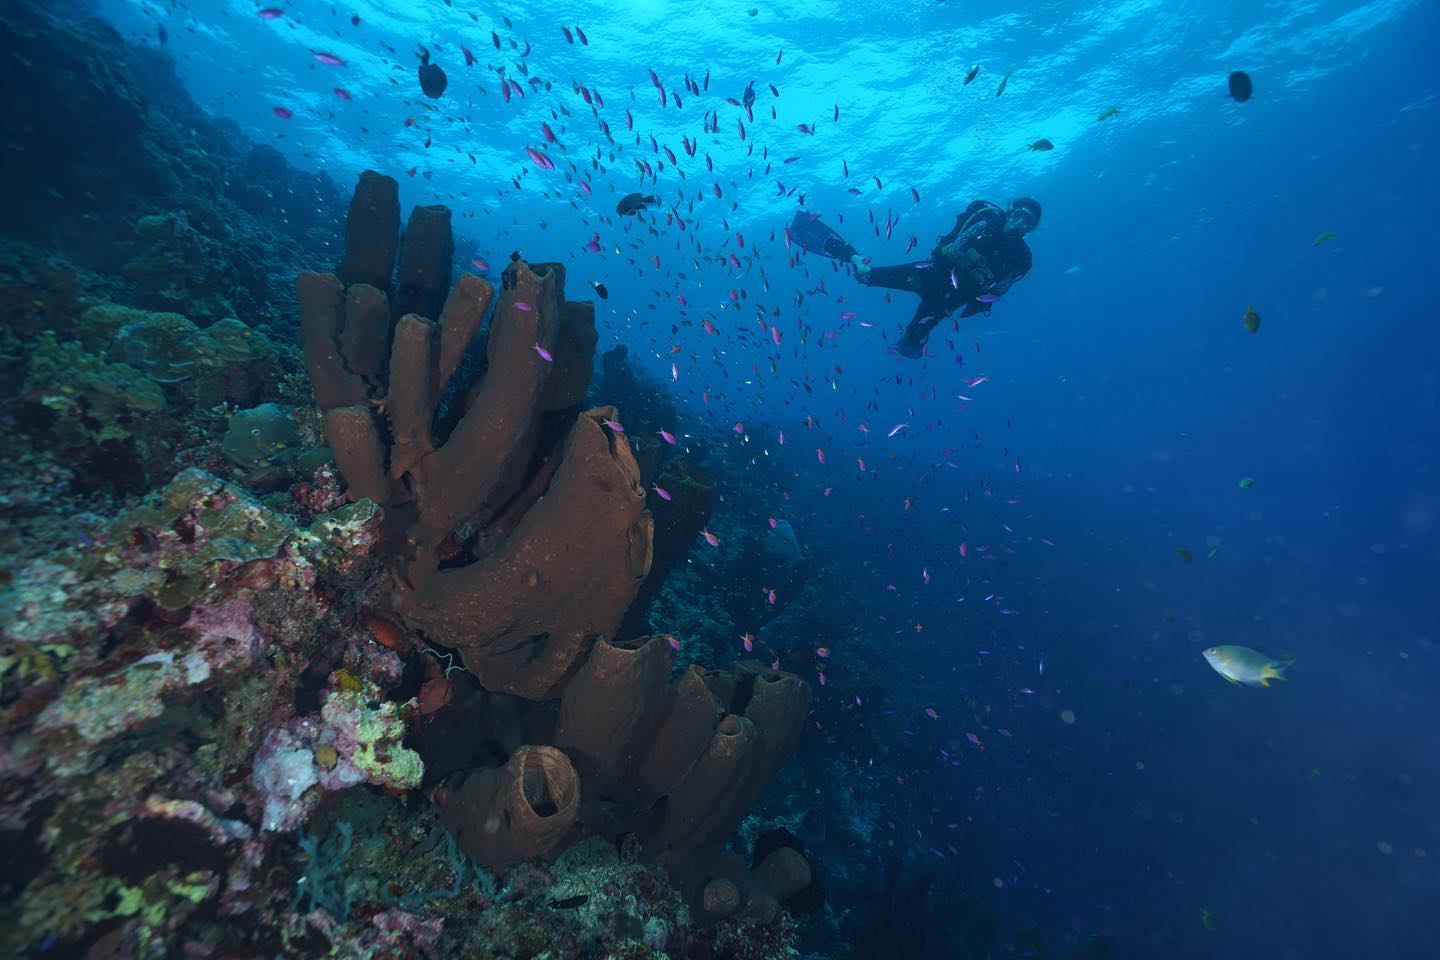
[987, 298]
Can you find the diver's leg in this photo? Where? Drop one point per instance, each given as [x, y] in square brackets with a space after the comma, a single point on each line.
[837, 248]
[902, 276]
[930, 312]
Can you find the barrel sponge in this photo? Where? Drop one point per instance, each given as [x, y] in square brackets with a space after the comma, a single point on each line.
[785, 872]
[507, 815]
[719, 899]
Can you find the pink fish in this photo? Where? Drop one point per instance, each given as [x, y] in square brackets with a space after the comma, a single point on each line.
[774, 524]
[660, 492]
[544, 354]
[469, 57]
[613, 425]
[674, 644]
[674, 372]
[775, 335]
[896, 429]
[932, 713]
[987, 298]
[284, 113]
[739, 428]
[667, 436]
[820, 676]
[270, 13]
[819, 454]
[329, 59]
[710, 538]
[975, 382]
[594, 245]
[539, 159]
[822, 652]
[769, 595]
[547, 132]
[342, 93]
[748, 640]
[480, 265]
[523, 306]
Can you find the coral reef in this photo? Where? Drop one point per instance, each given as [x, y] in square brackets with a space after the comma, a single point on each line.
[133, 387]
[207, 223]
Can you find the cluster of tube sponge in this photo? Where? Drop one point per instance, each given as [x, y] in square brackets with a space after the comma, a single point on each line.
[518, 535]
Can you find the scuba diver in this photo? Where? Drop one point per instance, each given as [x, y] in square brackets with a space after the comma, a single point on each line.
[971, 267]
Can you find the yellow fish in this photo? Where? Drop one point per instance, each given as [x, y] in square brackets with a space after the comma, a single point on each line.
[1112, 112]
[1243, 665]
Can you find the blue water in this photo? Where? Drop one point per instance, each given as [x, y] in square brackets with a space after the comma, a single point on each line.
[1125, 399]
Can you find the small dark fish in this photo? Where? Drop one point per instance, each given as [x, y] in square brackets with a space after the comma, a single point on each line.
[971, 74]
[432, 78]
[570, 903]
[600, 289]
[1184, 554]
[1251, 319]
[1004, 80]
[1240, 86]
[1042, 145]
[633, 203]
[748, 99]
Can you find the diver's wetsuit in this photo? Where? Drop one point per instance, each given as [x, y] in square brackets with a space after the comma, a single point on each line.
[976, 257]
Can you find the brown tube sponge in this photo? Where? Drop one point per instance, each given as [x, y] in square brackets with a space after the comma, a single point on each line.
[779, 704]
[525, 616]
[322, 317]
[520, 811]
[372, 231]
[707, 798]
[686, 726]
[610, 702]
[351, 434]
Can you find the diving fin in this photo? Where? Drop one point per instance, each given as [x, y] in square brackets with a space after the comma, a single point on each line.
[807, 230]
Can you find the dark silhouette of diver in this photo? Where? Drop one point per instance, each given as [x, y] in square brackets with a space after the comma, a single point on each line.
[971, 267]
